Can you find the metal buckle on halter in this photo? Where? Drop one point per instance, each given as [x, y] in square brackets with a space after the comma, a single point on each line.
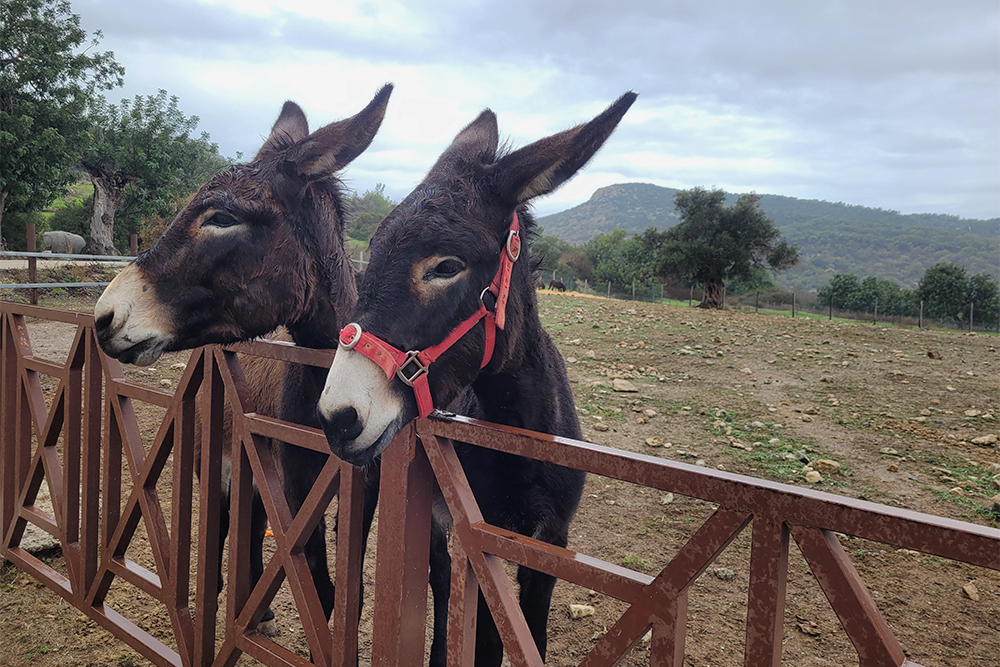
[482, 299]
[411, 357]
[513, 245]
[354, 340]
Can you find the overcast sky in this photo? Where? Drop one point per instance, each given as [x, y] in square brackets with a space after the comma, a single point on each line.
[872, 102]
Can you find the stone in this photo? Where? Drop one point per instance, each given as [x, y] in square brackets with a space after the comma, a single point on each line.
[985, 440]
[893, 467]
[972, 413]
[623, 385]
[724, 573]
[933, 354]
[971, 591]
[601, 427]
[178, 366]
[888, 450]
[826, 466]
[814, 477]
[654, 442]
[577, 611]
[667, 499]
[957, 491]
[806, 418]
[746, 371]
[165, 383]
[811, 411]
[649, 413]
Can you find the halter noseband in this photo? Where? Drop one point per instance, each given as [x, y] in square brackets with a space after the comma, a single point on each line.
[412, 367]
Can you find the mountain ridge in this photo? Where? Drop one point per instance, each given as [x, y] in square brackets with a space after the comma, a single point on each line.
[832, 237]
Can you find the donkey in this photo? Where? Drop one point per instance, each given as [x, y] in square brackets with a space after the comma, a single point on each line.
[260, 246]
[433, 278]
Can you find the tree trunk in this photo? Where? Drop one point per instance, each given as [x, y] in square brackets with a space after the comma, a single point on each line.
[712, 298]
[108, 191]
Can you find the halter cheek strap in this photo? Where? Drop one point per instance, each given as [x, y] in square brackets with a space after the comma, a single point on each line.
[412, 367]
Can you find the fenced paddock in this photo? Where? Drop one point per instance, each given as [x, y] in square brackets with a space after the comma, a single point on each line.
[82, 440]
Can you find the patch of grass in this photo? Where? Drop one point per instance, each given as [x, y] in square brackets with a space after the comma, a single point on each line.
[635, 562]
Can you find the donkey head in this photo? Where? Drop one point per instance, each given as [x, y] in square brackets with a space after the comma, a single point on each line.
[254, 248]
[432, 259]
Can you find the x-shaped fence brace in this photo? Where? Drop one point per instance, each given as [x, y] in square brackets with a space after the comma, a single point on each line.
[96, 529]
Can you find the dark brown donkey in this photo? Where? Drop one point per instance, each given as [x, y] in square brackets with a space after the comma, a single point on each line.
[438, 260]
[261, 245]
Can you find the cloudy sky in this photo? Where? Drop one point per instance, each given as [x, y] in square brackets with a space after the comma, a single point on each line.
[883, 103]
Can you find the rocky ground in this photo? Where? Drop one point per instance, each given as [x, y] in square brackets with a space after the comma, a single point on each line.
[902, 417]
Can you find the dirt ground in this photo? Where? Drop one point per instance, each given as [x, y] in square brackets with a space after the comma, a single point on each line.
[900, 410]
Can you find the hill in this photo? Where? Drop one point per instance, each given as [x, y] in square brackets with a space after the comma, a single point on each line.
[832, 237]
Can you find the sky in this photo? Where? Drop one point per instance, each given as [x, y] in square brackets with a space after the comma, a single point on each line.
[888, 104]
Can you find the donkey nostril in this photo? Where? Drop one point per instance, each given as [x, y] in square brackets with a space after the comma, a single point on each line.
[343, 425]
[103, 323]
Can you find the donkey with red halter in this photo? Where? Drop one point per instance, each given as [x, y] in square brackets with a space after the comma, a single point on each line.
[447, 318]
[260, 246]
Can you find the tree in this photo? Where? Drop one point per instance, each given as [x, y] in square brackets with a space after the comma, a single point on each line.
[943, 289]
[46, 86]
[367, 211]
[141, 149]
[984, 295]
[714, 242]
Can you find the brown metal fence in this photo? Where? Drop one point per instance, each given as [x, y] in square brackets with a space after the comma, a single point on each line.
[89, 435]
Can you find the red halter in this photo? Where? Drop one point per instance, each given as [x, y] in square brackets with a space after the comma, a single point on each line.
[394, 361]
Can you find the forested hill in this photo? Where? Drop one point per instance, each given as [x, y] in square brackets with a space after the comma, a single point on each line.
[832, 238]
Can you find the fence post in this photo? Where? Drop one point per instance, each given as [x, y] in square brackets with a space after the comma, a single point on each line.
[920, 320]
[831, 308]
[609, 289]
[133, 244]
[691, 295]
[875, 320]
[970, 317]
[723, 297]
[32, 263]
[793, 304]
[756, 302]
[633, 289]
[661, 291]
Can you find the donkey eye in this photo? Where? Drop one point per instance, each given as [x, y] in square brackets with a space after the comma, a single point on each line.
[447, 268]
[222, 220]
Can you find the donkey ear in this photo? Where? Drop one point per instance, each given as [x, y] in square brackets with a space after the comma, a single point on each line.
[543, 166]
[290, 127]
[476, 143]
[333, 146]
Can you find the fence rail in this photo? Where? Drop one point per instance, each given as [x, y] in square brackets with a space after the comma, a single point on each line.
[87, 446]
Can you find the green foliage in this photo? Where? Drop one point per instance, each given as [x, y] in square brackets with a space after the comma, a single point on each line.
[144, 147]
[73, 217]
[47, 83]
[366, 212]
[943, 291]
[714, 243]
[15, 226]
[622, 259]
[984, 295]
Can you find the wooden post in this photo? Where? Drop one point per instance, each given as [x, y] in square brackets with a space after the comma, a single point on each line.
[875, 320]
[32, 263]
[793, 304]
[133, 244]
[756, 302]
[970, 318]
[633, 289]
[609, 289]
[691, 295]
[661, 291]
[831, 308]
[920, 321]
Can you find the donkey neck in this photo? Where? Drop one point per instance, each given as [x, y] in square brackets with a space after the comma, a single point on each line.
[328, 307]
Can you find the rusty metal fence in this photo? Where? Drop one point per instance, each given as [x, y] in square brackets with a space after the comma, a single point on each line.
[81, 442]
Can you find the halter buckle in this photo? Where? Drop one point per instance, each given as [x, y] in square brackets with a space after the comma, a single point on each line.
[513, 245]
[353, 340]
[412, 357]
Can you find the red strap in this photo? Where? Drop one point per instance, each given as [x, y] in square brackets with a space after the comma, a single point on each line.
[388, 358]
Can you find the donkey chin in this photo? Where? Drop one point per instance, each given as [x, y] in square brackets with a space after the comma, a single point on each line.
[132, 326]
[360, 409]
